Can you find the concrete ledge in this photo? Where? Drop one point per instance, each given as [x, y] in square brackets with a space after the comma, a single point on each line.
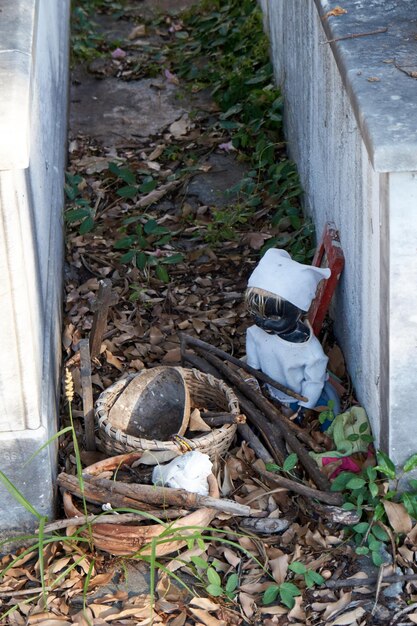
[374, 72]
[34, 52]
[17, 30]
[354, 140]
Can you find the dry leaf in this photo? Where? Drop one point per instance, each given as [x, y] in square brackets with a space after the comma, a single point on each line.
[172, 356]
[155, 457]
[156, 194]
[179, 620]
[113, 360]
[256, 240]
[103, 610]
[155, 336]
[205, 603]
[138, 31]
[398, 517]
[156, 153]
[273, 610]
[197, 423]
[231, 557]
[412, 617]
[279, 568]
[207, 619]
[57, 621]
[198, 325]
[334, 12]
[100, 579]
[297, 612]
[83, 617]
[247, 603]
[336, 361]
[334, 607]
[180, 127]
[349, 618]
[59, 564]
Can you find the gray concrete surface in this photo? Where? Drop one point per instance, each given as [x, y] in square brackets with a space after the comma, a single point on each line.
[33, 103]
[350, 119]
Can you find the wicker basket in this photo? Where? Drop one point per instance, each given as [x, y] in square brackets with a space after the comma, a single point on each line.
[127, 539]
[205, 391]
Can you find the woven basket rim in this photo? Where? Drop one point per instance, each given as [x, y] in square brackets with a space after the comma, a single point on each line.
[110, 395]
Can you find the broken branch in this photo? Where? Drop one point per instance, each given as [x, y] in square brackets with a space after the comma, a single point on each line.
[269, 410]
[272, 439]
[121, 518]
[334, 499]
[104, 300]
[355, 35]
[87, 393]
[164, 496]
[206, 347]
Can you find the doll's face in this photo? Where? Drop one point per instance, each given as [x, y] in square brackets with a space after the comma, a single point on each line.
[272, 313]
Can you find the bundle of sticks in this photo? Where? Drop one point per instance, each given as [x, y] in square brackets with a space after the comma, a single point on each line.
[268, 431]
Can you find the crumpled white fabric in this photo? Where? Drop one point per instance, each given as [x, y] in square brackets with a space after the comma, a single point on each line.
[299, 366]
[277, 273]
[188, 471]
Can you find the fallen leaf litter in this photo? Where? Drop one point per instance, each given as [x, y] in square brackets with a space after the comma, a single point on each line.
[204, 299]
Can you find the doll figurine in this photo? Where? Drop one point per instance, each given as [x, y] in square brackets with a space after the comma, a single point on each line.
[281, 343]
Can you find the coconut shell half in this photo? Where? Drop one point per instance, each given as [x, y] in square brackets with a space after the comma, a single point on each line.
[154, 405]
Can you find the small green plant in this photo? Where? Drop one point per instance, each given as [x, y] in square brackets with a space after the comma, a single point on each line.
[240, 76]
[143, 248]
[132, 187]
[215, 587]
[287, 590]
[327, 415]
[80, 211]
[225, 221]
[287, 467]
[366, 493]
[86, 42]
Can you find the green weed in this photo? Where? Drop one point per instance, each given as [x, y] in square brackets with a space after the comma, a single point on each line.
[238, 72]
[366, 493]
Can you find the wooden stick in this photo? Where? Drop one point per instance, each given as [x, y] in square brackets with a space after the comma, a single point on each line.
[269, 410]
[372, 580]
[335, 499]
[103, 490]
[223, 418]
[164, 496]
[104, 300]
[255, 443]
[206, 347]
[274, 442]
[97, 495]
[332, 514]
[302, 434]
[121, 518]
[87, 392]
[272, 436]
[355, 35]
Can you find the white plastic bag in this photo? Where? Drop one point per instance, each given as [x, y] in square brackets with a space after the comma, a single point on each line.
[189, 471]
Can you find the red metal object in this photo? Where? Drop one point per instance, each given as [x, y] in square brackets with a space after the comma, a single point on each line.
[328, 254]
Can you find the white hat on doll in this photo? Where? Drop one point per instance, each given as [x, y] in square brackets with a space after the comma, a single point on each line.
[277, 273]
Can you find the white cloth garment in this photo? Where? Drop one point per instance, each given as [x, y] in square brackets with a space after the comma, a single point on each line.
[277, 273]
[299, 366]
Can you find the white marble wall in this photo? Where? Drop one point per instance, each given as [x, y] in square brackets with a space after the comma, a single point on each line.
[34, 44]
[349, 177]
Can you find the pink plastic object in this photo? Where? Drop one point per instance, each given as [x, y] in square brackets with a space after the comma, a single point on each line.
[328, 254]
